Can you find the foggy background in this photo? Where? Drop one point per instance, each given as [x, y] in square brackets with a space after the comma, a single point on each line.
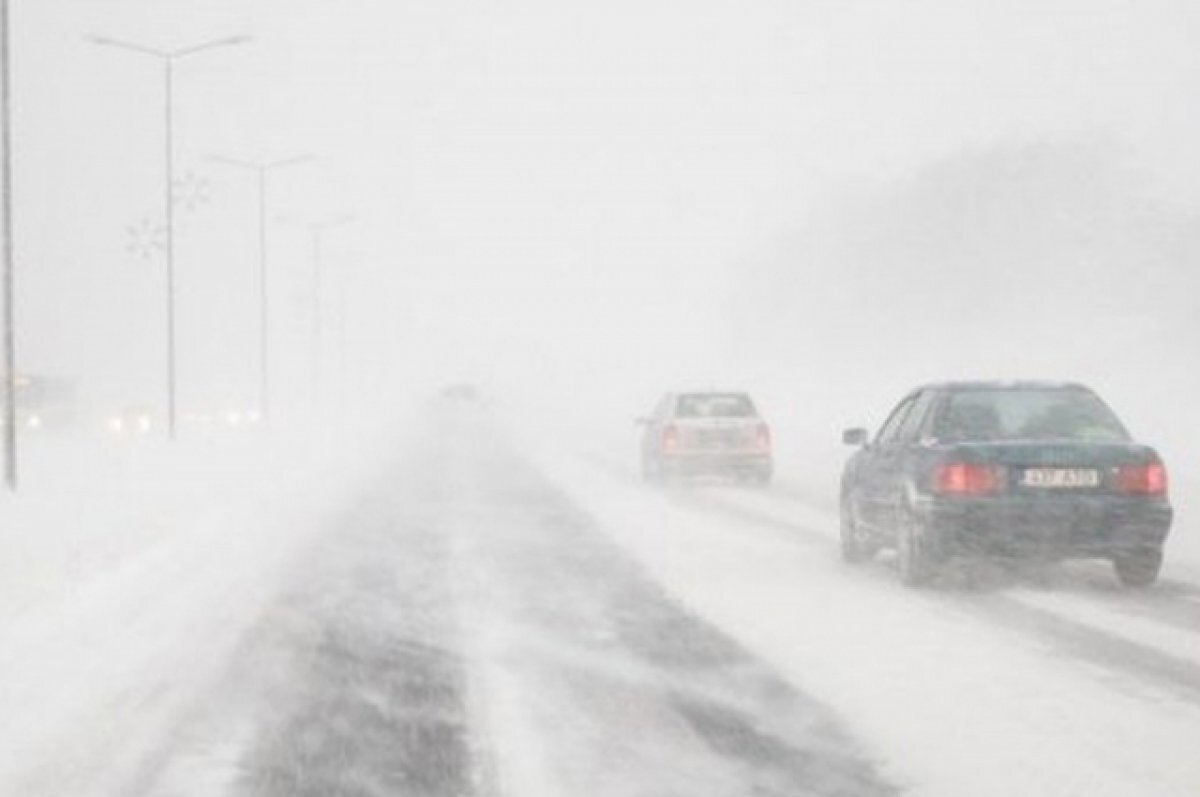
[573, 208]
[578, 206]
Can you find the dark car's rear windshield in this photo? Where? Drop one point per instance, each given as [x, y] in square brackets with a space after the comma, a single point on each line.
[1027, 414]
[714, 405]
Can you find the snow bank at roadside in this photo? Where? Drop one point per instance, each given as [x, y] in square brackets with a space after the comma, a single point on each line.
[127, 574]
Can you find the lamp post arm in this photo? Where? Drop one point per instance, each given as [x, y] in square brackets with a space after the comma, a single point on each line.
[229, 41]
[106, 41]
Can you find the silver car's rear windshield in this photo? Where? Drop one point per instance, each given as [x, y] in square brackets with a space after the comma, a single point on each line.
[1009, 414]
[714, 405]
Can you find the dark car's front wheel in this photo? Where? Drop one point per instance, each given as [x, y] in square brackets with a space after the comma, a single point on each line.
[855, 549]
[1138, 568]
[914, 559]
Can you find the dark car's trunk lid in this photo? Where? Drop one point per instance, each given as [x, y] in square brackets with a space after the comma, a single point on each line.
[719, 434]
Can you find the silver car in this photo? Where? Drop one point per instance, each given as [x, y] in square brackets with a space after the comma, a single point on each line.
[712, 433]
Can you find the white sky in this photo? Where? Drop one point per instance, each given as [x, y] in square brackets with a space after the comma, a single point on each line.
[546, 192]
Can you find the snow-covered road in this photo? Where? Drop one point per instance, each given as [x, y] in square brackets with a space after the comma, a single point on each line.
[465, 629]
[486, 616]
[1049, 684]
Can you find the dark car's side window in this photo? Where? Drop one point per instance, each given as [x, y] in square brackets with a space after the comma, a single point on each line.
[891, 427]
[914, 421]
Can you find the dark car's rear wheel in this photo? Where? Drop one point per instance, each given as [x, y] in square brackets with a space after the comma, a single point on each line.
[1138, 568]
[914, 559]
[855, 548]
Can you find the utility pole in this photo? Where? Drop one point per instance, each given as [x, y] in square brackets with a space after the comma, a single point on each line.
[262, 170]
[10, 338]
[168, 58]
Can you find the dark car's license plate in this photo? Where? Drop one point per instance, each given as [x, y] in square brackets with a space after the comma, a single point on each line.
[1060, 478]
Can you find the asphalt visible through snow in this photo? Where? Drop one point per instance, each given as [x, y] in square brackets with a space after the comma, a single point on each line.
[351, 682]
[464, 629]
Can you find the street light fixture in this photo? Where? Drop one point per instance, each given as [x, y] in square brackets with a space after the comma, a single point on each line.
[168, 58]
[263, 169]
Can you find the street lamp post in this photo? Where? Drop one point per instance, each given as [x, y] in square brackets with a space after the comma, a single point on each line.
[6, 167]
[168, 58]
[316, 231]
[262, 169]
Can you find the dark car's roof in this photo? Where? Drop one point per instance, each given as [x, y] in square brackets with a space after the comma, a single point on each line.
[1003, 384]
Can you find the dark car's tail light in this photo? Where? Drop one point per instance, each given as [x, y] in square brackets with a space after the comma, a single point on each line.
[966, 478]
[762, 437]
[1147, 479]
[670, 439]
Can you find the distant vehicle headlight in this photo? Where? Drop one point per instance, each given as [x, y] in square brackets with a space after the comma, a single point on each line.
[116, 425]
[34, 422]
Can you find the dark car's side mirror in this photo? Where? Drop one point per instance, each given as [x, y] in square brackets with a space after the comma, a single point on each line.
[855, 437]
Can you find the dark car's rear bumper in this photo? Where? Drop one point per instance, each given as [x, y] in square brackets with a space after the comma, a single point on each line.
[1044, 527]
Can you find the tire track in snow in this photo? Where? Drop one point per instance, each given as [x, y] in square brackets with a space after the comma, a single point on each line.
[690, 496]
[613, 668]
[1060, 634]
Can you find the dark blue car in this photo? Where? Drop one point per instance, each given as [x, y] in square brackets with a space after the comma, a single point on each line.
[1004, 469]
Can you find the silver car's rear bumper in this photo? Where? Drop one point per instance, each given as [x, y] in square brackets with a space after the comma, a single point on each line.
[725, 463]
